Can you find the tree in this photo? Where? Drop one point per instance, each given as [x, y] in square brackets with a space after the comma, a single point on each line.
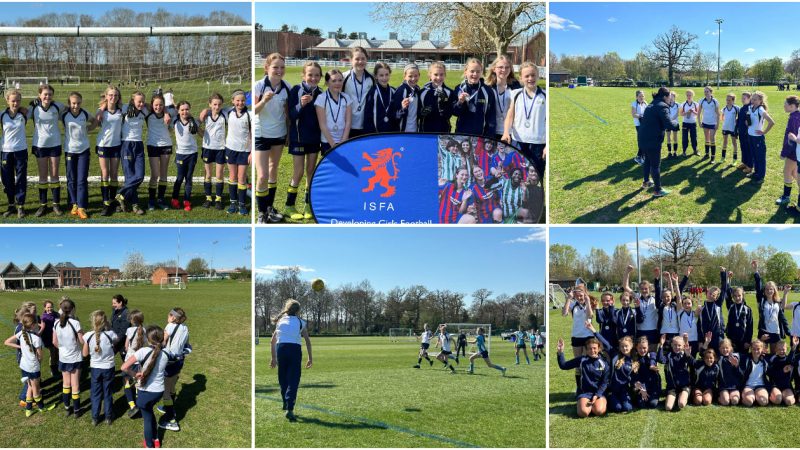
[284, 28]
[768, 70]
[134, 267]
[702, 64]
[308, 31]
[621, 259]
[468, 37]
[673, 50]
[599, 265]
[678, 247]
[611, 66]
[197, 266]
[340, 33]
[259, 27]
[501, 23]
[733, 70]
[563, 261]
[793, 64]
[352, 36]
[781, 268]
[762, 254]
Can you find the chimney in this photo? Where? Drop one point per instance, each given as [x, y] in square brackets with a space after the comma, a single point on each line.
[426, 36]
[393, 36]
[331, 35]
[362, 35]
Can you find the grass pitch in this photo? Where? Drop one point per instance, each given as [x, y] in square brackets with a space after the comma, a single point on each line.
[594, 179]
[694, 426]
[214, 389]
[363, 392]
[197, 93]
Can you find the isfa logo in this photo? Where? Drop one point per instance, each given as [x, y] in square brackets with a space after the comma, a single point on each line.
[378, 164]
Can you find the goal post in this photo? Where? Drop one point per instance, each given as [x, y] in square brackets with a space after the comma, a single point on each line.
[471, 331]
[170, 283]
[28, 87]
[557, 295]
[401, 335]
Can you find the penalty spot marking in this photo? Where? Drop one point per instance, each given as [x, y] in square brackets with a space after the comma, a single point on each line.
[583, 108]
[376, 423]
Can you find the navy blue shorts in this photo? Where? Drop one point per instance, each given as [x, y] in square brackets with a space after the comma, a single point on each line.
[213, 156]
[46, 152]
[522, 346]
[730, 133]
[237, 158]
[264, 144]
[173, 368]
[484, 354]
[589, 395]
[154, 151]
[180, 157]
[31, 375]
[580, 341]
[325, 147]
[424, 346]
[446, 352]
[773, 338]
[108, 152]
[755, 388]
[709, 126]
[68, 367]
[305, 149]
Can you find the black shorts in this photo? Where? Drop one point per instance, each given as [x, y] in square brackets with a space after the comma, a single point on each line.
[236, 158]
[580, 341]
[677, 391]
[263, 144]
[46, 152]
[304, 149]
[154, 151]
[110, 152]
[733, 133]
[424, 346]
[709, 126]
[446, 352]
[773, 338]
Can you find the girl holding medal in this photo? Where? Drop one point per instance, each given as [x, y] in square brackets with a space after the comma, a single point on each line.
[771, 321]
[159, 148]
[606, 320]
[754, 367]
[668, 309]
[378, 102]
[357, 83]
[710, 314]
[405, 101]
[237, 151]
[779, 374]
[592, 386]
[730, 376]
[687, 323]
[333, 111]
[678, 364]
[646, 308]
[706, 376]
[503, 83]
[526, 121]
[271, 110]
[740, 323]
[625, 319]
[304, 144]
[581, 309]
[475, 104]
[437, 101]
[645, 377]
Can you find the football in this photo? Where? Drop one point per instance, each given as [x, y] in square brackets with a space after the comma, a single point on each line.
[318, 284]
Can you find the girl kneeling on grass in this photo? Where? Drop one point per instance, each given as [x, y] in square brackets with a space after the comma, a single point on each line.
[286, 351]
[149, 380]
[645, 377]
[730, 376]
[707, 375]
[594, 378]
[754, 369]
[678, 371]
[779, 374]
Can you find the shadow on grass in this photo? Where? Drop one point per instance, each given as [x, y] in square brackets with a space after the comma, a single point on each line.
[615, 173]
[338, 425]
[412, 410]
[187, 396]
[261, 389]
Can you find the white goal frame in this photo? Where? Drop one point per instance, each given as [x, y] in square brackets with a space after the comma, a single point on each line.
[70, 80]
[27, 86]
[402, 335]
[172, 283]
[231, 79]
[471, 330]
[556, 295]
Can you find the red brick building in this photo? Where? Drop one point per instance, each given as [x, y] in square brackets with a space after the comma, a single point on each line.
[166, 272]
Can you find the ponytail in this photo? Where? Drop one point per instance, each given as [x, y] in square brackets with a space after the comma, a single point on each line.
[100, 324]
[27, 321]
[67, 307]
[291, 307]
[155, 335]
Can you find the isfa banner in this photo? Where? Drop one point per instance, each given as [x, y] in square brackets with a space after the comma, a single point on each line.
[411, 178]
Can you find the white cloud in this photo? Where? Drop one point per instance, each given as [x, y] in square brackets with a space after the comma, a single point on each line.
[731, 244]
[59, 245]
[713, 33]
[749, 50]
[270, 269]
[795, 253]
[707, 32]
[645, 244]
[757, 230]
[535, 235]
[612, 19]
[561, 23]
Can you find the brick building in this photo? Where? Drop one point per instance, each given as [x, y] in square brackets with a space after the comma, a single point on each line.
[165, 272]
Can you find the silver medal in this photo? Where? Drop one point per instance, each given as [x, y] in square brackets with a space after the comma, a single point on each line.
[359, 108]
[336, 128]
[624, 330]
[386, 119]
[527, 124]
[607, 327]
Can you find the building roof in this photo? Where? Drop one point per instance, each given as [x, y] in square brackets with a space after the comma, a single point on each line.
[171, 270]
[383, 44]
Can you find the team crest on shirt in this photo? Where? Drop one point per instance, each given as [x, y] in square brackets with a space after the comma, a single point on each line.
[379, 165]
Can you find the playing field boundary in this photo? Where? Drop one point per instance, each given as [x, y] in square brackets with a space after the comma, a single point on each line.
[603, 121]
[375, 423]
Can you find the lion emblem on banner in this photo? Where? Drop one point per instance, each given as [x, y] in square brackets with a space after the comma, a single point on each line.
[378, 164]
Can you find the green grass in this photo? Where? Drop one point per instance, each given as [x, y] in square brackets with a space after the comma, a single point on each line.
[361, 391]
[294, 76]
[699, 427]
[602, 184]
[214, 387]
[196, 92]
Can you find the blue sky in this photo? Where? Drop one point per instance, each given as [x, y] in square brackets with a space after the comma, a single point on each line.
[14, 11]
[784, 238]
[751, 30]
[99, 246]
[463, 259]
[327, 16]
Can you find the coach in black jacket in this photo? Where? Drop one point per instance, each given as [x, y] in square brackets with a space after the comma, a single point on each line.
[651, 135]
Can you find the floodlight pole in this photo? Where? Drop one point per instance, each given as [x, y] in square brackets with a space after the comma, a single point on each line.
[719, 38]
[638, 266]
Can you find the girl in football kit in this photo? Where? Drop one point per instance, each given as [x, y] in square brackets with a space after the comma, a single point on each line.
[287, 353]
[159, 149]
[779, 375]
[357, 83]
[526, 121]
[405, 107]
[379, 99]
[475, 106]
[454, 198]
[646, 379]
[237, 152]
[109, 146]
[672, 135]
[593, 379]
[176, 341]
[580, 306]
[186, 129]
[789, 151]
[756, 132]
[646, 309]
[754, 367]
[46, 146]
[688, 110]
[483, 352]
[678, 363]
[30, 347]
[425, 338]
[14, 154]
[730, 376]
[334, 109]
[147, 366]
[444, 342]
[503, 82]
[134, 340]
[213, 122]
[709, 114]
[68, 337]
[77, 124]
[132, 156]
[771, 320]
[729, 114]
[98, 344]
[637, 112]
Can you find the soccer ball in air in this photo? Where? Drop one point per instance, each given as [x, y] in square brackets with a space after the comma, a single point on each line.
[318, 284]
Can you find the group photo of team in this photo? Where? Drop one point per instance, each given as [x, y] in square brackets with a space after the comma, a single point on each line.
[117, 138]
[121, 354]
[317, 92]
[482, 180]
[699, 332]
[686, 122]
[344, 360]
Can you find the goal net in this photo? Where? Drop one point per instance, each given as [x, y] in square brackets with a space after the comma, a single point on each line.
[557, 295]
[172, 283]
[471, 332]
[193, 62]
[401, 335]
[27, 86]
